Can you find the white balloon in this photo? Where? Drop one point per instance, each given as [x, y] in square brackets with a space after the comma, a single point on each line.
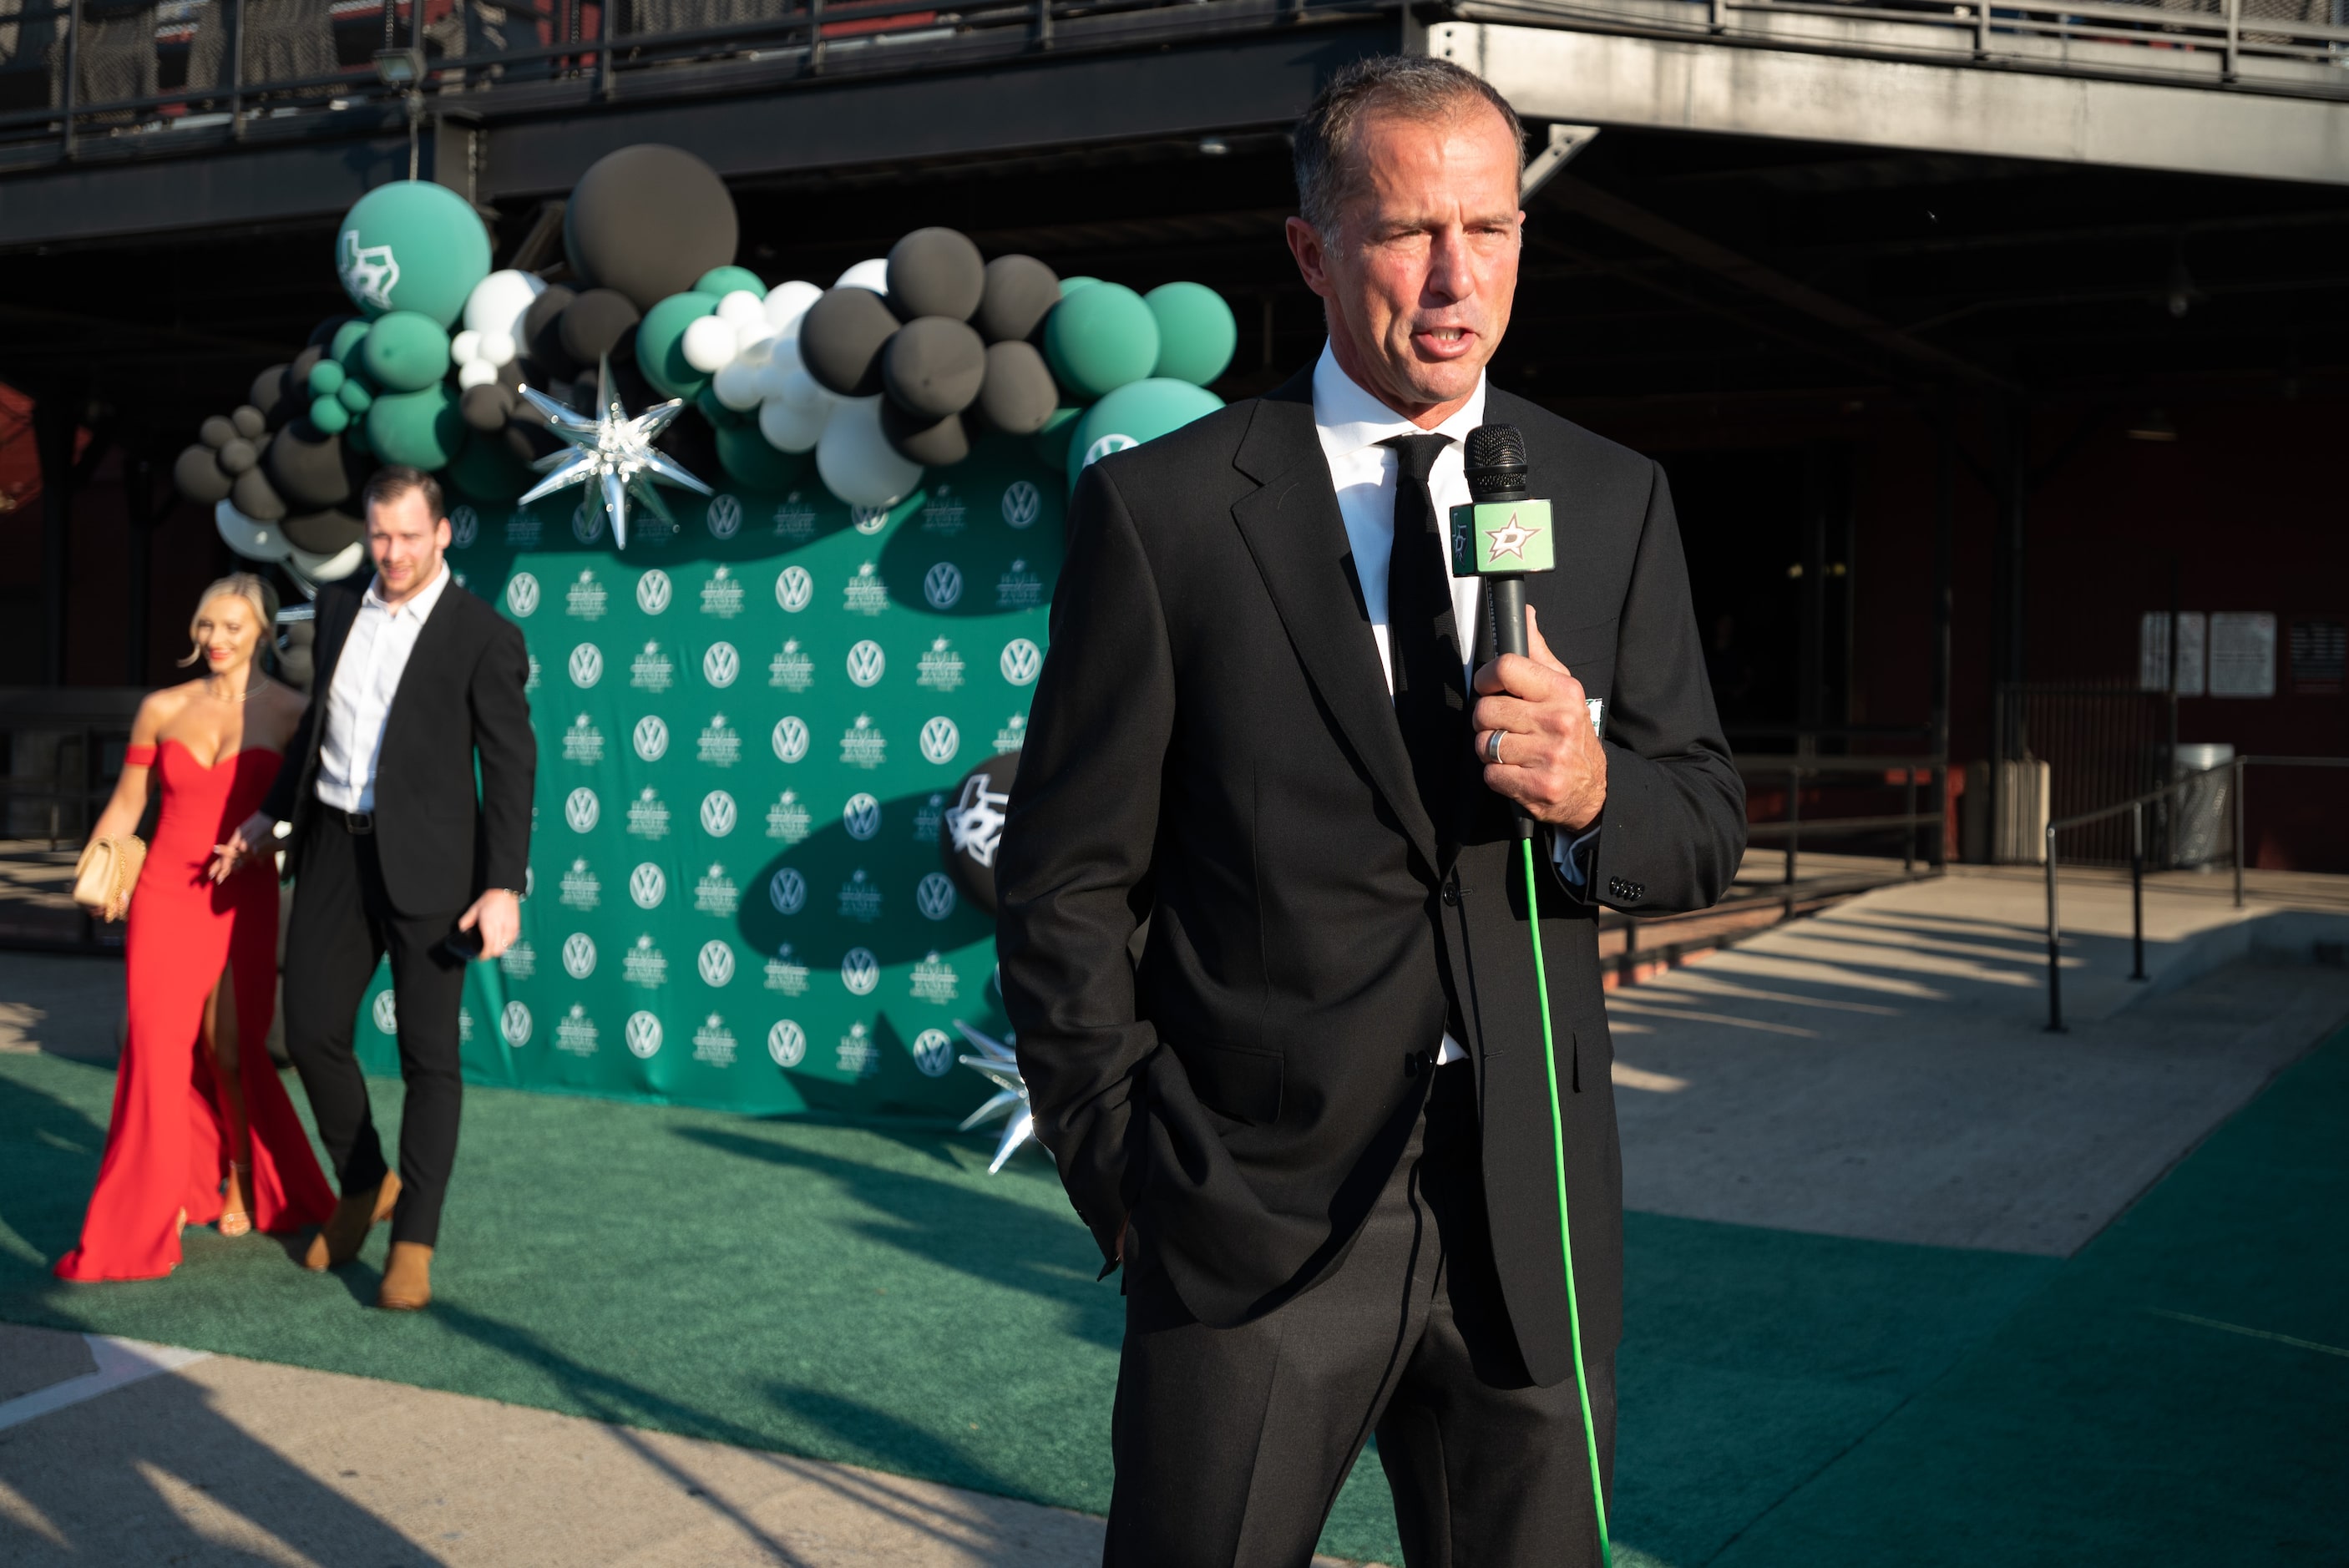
[498, 301]
[754, 340]
[253, 540]
[855, 460]
[786, 303]
[466, 346]
[708, 344]
[476, 373]
[499, 347]
[737, 385]
[870, 274]
[742, 306]
[328, 568]
[789, 429]
[803, 392]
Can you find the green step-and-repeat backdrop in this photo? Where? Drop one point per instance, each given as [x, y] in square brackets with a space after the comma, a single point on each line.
[748, 725]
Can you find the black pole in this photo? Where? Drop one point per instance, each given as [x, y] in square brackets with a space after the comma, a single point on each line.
[73, 72]
[1945, 507]
[2136, 891]
[138, 510]
[2054, 942]
[54, 428]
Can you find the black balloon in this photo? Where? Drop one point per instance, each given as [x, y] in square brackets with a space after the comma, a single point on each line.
[840, 339]
[250, 422]
[485, 407]
[298, 373]
[268, 391]
[1021, 290]
[594, 323]
[216, 432]
[936, 272]
[295, 662]
[255, 498]
[933, 443]
[971, 828]
[309, 468]
[200, 477]
[648, 220]
[932, 366]
[527, 442]
[510, 376]
[542, 331]
[237, 455]
[323, 335]
[1019, 395]
[324, 532]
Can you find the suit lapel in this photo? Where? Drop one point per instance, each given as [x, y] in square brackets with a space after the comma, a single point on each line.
[431, 639]
[1298, 537]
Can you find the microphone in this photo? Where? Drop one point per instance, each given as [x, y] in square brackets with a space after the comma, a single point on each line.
[1501, 535]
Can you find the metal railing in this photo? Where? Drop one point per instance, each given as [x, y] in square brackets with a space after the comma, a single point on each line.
[2134, 806]
[1908, 773]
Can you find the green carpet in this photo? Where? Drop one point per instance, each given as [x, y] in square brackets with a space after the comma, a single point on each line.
[871, 1294]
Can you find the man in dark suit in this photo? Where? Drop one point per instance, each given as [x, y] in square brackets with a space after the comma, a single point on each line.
[393, 851]
[1313, 1118]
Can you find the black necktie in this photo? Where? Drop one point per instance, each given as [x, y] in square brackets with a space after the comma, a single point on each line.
[1431, 693]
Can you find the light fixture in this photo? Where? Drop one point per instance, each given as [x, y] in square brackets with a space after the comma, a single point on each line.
[2153, 425]
[402, 69]
[1214, 146]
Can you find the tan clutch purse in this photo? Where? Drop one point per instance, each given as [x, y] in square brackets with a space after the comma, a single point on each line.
[107, 870]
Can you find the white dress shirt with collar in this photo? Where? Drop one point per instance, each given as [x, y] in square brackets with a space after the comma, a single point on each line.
[367, 678]
[1352, 423]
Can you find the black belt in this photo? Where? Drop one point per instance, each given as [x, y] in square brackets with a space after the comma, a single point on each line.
[359, 823]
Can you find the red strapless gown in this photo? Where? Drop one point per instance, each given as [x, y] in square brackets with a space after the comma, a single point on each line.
[167, 1146]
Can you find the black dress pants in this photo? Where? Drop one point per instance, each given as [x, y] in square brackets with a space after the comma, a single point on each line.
[1231, 1443]
[343, 925]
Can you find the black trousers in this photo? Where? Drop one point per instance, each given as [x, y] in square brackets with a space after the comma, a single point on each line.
[1231, 1444]
[343, 925]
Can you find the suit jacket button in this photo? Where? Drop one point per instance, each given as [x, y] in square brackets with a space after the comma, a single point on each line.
[1452, 892]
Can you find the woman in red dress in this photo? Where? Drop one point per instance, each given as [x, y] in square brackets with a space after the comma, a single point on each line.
[203, 1130]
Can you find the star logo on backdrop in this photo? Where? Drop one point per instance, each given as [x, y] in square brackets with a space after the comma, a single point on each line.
[1511, 539]
[613, 451]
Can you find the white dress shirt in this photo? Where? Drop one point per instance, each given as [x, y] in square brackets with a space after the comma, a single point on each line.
[367, 678]
[1352, 423]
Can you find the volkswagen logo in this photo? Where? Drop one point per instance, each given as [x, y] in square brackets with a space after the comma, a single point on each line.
[936, 895]
[651, 737]
[522, 594]
[866, 662]
[717, 813]
[861, 815]
[942, 585]
[513, 1023]
[1023, 503]
[654, 591]
[941, 740]
[860, 970]
[791, 738]
[724, 517]
[1104, 447]
[586, 666]
[579, 955]
[580, 809]
[588, 523]
[643, 1033]
[794, 589]
[933, 1053]
[387, 1013]
[787, 891]
[1021, 662]
[870, 519]
[464, 526]
[648, 886]
[787, 1042]
[720, 665]
[715, 963]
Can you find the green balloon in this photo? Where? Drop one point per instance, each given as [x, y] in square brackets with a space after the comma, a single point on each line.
[718, 414]
[420, 428]
[355, 394]
[660, 343]
[749, 460]
[405, 352]
[1071, 285]
[719, 281]
[327, 379]
[329, 415]
[1196, 333]
[487, 469]
[355, 439]
[1100, 338]
[1137, 412]
[1051, 442]
[412, 246]
[349, 337]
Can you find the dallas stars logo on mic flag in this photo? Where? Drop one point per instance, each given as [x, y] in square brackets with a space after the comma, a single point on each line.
[1499, 538]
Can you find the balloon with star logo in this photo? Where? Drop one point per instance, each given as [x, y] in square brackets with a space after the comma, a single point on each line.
[412, 246]
[1136, 412]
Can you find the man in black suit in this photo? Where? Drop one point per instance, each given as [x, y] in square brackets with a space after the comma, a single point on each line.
[1313, 1119]
[393, 851]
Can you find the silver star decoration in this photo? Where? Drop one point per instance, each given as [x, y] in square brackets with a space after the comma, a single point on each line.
[613, 451]
[999, 1065]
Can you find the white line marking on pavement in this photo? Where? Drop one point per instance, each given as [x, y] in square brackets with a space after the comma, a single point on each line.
[120, 1363]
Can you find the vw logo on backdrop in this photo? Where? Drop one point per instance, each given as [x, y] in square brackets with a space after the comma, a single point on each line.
[724, 517]
[860, 970]
[648, 886]
[787, 1042]
[654, 591]
[942, 585]
[580, 810]
[586, 666]
[387, 1013]
[717, 813]
[1023, 503]
[787, 891]
[791, 738]
[861, 815]
[933, 1053]
[464, 526]
[866, 662]
[720, 665]
[870, 519]
[941, 740]
[579, 955]
[715, 963]
[522, 594]
[1021, 662]
[513, 1023]
[936, 895]
[794, 589]
[643, 1033]
[588, 523]
[651, 737]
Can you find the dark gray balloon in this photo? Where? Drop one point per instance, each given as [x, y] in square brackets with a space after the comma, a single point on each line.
[648, 220]
[237, 455]
[840, 338]
[255, 498]
[933, 443]
[1019, 394]
[216, 432]
[1021, 290]
[324, 532]
[200, 477]
[510, 374]
[936, 272]
[594, 323]
[322, 334]
[485, 407]
[268, 391]
[309, 468]
[541, 333]
[932, 366]
[250, 422]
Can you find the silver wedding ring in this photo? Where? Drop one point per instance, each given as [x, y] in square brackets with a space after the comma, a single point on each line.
[1493, 746]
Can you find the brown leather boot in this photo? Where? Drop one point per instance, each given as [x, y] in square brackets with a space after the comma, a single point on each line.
[406, 1278]
[386, 1196]
[338, 1241]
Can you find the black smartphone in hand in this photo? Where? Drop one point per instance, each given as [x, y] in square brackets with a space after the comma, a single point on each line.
[462, 945]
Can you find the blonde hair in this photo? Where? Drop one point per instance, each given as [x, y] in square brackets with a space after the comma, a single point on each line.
[254, 591]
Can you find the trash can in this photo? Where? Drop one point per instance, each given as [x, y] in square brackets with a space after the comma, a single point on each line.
[2200, 822]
